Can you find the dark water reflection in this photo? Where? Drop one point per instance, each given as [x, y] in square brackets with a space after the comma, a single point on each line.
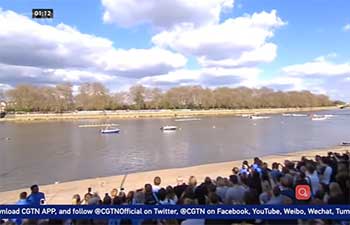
[46, 152]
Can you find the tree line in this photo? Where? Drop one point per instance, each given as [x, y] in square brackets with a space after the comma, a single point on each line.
[95, 96]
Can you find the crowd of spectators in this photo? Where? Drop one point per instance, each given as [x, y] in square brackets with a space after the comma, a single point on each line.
[251, 184]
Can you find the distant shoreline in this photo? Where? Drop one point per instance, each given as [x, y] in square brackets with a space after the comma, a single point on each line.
[61, 193]
[137, 114]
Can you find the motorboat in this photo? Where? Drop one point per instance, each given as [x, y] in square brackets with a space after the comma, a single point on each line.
[345, 144]
[110, 131]
[168, 128]
[287, 114]
[258, 117]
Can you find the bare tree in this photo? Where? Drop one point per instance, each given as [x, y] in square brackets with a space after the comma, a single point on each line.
[137, 93]
[95, 96]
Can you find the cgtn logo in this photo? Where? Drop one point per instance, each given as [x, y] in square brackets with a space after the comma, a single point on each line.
[302, 192]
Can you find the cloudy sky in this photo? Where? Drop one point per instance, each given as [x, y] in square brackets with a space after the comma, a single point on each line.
[285, 45]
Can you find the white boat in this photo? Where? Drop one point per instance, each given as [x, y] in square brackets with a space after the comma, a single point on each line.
[318, 118]
[259, 117]
[246, 115]
[110, 131]
[293, 114]
[187, 119]
[168, 128]
[298, 115]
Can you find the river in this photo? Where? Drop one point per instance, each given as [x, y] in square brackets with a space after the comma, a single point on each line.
[49, 152]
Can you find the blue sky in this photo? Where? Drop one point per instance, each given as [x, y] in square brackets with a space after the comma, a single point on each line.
[286, 45]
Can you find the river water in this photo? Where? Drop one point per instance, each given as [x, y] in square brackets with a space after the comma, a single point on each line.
[46, 152]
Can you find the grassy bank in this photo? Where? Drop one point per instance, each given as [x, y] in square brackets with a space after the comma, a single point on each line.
[123, 114]
[61, 193]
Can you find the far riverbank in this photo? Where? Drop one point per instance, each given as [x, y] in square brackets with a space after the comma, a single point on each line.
[61, 193]
[139, 114]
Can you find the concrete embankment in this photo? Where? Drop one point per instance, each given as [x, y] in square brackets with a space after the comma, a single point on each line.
[134, 114]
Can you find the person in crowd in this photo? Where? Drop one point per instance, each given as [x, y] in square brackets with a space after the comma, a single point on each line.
[287, 189]
[276, 198]
[95, 199]
[254, 180]
[245, 168]
[235, 171]
[156, 184]
[188, 194]
[114, 193]
[171, 195]
[202, 191]
[325, 170]
[36, 197]
[336, 195]
[162, 195]
[266, 194]
[313, 179]
[192, 182]
[221, 187]
[180, 187]
[107, 200]
[129, 197]
[23, 199]
[139, 197]
[150, 197]
[275, 172]
[76, 200]
[235, 193]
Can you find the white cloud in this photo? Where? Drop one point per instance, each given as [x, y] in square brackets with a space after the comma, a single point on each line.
[235, 42]
[321, 66]
[67, 52]
[14, 74]
[263, 54]
[141, 62]
[164, 13]
[346, 27]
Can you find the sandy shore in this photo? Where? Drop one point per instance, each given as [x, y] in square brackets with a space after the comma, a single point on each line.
[123, 114]
[61, 193]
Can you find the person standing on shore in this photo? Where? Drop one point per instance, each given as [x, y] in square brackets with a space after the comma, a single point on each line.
[36, 197]
[22, 199]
